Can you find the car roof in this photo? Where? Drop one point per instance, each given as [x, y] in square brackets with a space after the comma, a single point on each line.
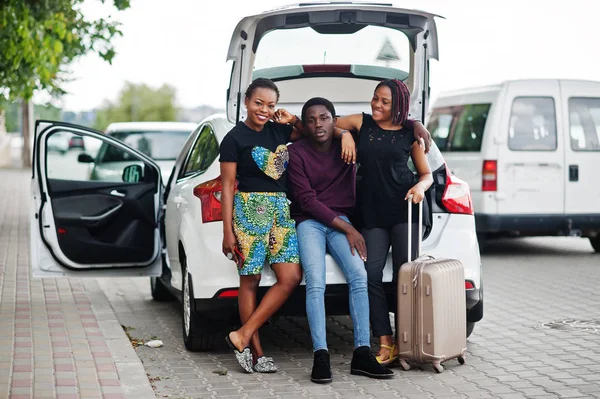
[149, 126]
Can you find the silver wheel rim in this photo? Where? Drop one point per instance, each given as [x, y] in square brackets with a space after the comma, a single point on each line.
[186, 304]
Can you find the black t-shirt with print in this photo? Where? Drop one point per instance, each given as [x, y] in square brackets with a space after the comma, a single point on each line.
[261, 157]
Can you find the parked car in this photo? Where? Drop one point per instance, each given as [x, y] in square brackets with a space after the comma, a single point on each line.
[76, 142]
[59, 143]
[126, 232]
[161, 141]
[529, 151]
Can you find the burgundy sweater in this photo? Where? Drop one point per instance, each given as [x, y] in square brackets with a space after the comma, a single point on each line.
[321, 185]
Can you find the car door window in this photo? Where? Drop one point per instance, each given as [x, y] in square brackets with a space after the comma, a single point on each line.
[532, 124]
[439, 126]
[203, 153]
[469, 127]
[584, 124]
[65, 161]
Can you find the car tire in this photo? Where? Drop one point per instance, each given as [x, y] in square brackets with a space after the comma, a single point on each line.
[196, 336]
[470, 327]
[595, 241]
[160, 292]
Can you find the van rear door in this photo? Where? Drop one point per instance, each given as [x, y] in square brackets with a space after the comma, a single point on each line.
[530, 160]
[581, 124]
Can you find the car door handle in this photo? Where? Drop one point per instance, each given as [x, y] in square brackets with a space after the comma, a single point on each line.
[104, 215]
[117, 193]
[573, 173]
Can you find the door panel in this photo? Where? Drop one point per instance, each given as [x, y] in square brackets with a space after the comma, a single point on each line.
[581, 102]
[530, 161]
[85, 224]
[96, 227]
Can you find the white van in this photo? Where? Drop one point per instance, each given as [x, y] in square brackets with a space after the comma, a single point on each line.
[530, 151]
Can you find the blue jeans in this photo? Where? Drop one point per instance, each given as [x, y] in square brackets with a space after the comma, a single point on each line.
[314, 239]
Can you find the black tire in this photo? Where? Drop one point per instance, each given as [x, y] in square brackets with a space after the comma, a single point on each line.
[197, 335]
[595, 241]
[470, 327]
[160, 293]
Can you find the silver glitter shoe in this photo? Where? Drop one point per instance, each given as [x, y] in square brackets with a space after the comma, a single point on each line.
[244, 358]
[265, 364]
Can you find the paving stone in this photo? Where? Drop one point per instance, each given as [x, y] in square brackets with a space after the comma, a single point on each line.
[509, 357]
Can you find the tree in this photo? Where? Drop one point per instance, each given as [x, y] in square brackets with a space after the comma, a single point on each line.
[38, 40]
[138, 102]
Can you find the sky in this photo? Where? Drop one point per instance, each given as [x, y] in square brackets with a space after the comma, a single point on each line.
[184, 43]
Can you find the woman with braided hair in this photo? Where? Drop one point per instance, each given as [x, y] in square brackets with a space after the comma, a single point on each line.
[386, 140]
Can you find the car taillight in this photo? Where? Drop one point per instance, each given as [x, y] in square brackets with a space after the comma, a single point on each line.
[457, 196]
[210, 197]
[489, 176]
[469, 285]
[232, 293]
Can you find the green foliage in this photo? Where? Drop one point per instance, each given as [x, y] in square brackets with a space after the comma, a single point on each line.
[13, 115]
[139, 103]
[39, 38]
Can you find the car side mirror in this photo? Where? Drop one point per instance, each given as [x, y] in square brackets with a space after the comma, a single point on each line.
[85, 158]
[133, 173]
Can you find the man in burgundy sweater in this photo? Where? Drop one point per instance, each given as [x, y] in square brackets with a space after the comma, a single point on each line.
[323, 193]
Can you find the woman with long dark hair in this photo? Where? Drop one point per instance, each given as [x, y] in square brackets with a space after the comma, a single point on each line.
[386, 142]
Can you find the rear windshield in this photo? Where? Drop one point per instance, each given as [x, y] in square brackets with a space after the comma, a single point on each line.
[371, 46]
[459, 128]
[158, 145]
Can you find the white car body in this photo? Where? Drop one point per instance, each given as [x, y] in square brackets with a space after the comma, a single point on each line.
[193, 265]
[529, 151]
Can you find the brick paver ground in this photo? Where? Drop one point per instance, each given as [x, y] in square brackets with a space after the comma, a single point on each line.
[64, 337]
[59, 338]
[528, 282]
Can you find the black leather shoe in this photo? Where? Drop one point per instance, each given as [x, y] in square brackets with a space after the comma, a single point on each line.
[321, 372]
[364, 363]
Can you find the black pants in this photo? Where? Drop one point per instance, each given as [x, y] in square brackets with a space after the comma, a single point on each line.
[378, 246]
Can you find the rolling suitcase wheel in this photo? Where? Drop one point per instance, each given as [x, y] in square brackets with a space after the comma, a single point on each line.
[438, 368]
[404, 364]
[461, 360]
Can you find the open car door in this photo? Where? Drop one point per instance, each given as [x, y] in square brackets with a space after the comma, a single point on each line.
[88, 219]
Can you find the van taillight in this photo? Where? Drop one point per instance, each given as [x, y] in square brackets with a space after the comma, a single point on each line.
[210, 197]
[457, 196]
[489, 176]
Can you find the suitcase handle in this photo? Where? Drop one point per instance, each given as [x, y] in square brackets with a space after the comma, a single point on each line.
[420, 227]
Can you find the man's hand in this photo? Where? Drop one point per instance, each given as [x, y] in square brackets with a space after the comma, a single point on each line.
[348, 148]
[283, 116]
[357, 242]
[422, 136]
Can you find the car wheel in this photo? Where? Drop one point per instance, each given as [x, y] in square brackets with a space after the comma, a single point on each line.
[196, 336]
[470, 327]
[160, 292]
[595, 241]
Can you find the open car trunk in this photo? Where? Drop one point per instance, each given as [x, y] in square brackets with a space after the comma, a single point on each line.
[338, 51]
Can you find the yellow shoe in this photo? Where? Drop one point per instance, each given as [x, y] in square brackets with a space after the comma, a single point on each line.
[391, 359]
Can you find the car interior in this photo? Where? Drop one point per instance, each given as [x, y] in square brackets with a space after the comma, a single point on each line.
[105, 222]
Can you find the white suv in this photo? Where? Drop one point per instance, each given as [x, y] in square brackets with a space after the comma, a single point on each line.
[133, 226]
